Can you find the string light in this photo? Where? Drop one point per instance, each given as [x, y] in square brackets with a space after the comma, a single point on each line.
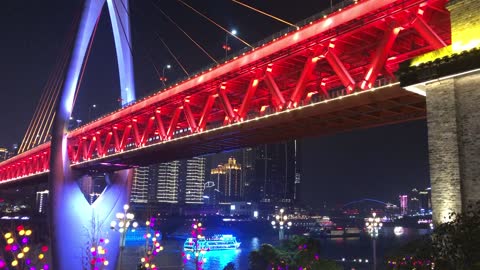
[195, 246]
[21, 253]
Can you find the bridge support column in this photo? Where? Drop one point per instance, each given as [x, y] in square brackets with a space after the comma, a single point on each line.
[453, 117]
[75, 225]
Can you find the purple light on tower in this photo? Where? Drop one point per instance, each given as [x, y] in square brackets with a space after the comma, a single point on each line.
[403, 204]
[71, 214]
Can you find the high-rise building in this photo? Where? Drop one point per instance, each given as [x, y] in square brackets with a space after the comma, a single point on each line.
[403, 204]
[42, 201]
[3, 154]
[167, 182]
[227, 179]
[191, 180]
[425, 197]
[414, 202]
[180, 181]
[298, 171]
[277, 172]
[248, 173]
[140, 185]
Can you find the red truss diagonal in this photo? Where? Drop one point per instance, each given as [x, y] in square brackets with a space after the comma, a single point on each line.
[340, 70]
[380, 57]
[252, 88]
[189, 115]
[277, 96]
[302, 81]
[225, 102]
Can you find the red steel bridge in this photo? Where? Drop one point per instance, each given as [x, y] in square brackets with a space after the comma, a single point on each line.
[333, 74]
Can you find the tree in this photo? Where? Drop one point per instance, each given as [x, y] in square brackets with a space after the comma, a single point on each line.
[296, 253]
[456, 244]
[453, 245]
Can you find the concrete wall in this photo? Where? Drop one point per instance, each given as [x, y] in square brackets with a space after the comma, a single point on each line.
[453, 116]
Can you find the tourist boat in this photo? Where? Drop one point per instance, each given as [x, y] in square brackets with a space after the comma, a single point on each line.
[352, 231]
[335, 232]
[217, 242]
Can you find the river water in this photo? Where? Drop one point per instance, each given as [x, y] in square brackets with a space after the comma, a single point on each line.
[347, 251]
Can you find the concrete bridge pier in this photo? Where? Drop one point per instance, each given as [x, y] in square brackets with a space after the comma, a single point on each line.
[450, 79]
[453, 117]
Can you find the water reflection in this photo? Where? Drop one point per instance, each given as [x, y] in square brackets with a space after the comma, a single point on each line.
[255, 243]
[220, 258]
[349, 248]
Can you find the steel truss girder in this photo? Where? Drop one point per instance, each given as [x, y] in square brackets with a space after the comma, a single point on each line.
[112, 137]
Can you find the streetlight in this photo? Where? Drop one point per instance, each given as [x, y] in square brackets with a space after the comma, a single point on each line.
[123, 222]
[163, 78]
[225, 46]
[282, 223]
[373, 226]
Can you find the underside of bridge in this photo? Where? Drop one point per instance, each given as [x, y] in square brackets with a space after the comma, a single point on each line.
[372, 108]
[389, 104]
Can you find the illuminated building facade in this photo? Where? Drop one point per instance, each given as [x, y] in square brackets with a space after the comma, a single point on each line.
[167, 182]
[42, 201]
[227, 179]
[141, 180]
[3, 154]
[403, 204]
[191, 180]
[180, 181]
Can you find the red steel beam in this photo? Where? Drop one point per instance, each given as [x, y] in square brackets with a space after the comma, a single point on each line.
[91, 147]
[125, 137]
[147, 130]
[227, 106]
[84, 149]
[100, 152]
[116, 139]
[206, 112]
[136, 133]
[79, 150]
[427, 33]
[252, 87]
[160, 126]
[302, 81]
[106, 144]
[189, 116]
[277, 96]
[380, 57]
[340, 70]
[173, 122]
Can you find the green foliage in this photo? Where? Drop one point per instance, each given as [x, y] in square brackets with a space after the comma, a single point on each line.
[454, 245]
[296, 253]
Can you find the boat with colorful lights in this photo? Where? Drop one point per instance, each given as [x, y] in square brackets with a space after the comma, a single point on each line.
[216, 242]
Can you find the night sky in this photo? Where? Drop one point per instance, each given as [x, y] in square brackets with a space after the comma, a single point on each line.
[377, 163]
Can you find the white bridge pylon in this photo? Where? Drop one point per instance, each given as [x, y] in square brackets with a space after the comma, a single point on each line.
[75, 224]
